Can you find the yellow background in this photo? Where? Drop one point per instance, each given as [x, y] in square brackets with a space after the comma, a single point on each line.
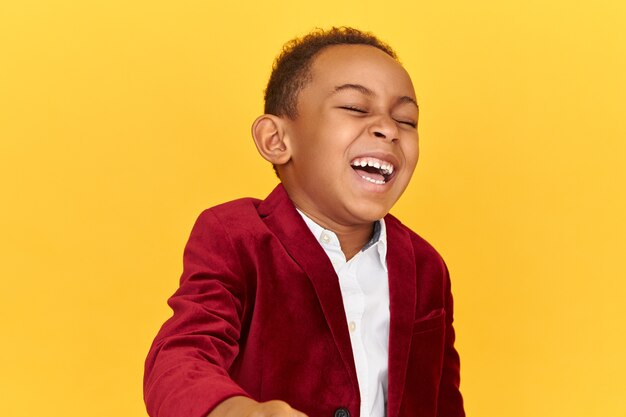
[121, 120]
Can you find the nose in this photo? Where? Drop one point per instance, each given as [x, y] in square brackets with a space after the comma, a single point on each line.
[384, 127]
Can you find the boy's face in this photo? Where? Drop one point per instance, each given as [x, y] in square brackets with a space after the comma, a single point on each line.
[354, 142]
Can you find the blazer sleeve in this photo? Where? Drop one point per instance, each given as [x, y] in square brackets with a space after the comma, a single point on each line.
[186, 371]
[450, 401]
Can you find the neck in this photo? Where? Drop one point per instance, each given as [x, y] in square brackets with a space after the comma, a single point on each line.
[352, 238]
[353, 241]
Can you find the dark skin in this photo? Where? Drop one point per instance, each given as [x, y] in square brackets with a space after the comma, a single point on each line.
[245, 407]
[359, 107]
[351, 238]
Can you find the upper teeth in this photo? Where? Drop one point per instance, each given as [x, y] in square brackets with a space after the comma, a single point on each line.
[385, 167]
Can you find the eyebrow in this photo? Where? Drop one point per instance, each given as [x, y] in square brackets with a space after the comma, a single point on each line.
[366, 91]
[358, 87]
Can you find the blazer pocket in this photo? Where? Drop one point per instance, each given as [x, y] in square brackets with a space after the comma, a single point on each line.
[434, 320]
[425, 365]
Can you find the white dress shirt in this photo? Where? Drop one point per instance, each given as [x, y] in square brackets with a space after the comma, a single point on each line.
[365, 290]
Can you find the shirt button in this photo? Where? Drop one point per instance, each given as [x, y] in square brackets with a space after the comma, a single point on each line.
[325, 238]
[352, 326]
[342, 412]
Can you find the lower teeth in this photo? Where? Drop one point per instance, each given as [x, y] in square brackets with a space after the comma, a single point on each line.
[372, 180]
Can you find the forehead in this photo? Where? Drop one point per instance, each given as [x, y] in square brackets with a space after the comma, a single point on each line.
[359, 64]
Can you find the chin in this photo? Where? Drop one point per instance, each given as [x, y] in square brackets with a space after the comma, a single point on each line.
[371, 212]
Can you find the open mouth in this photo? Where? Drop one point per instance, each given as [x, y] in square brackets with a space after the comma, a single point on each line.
[373, 170]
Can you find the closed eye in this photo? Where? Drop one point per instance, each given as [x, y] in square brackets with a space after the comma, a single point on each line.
[407, 122]
[354, 109]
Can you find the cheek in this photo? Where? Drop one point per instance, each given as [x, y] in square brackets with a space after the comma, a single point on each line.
[411, 152]
[345, 127]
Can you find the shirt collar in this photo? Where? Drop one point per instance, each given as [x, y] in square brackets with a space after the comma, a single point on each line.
[327, 237]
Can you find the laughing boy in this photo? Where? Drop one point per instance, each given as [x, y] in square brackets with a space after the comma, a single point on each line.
[315, 301]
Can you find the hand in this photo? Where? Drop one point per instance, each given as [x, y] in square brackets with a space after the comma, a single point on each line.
[246, 407]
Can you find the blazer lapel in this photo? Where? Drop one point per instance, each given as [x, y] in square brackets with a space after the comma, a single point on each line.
[402, 300]
[280, 215]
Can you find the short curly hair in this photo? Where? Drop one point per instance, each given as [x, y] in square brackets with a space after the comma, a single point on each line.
[291, 70]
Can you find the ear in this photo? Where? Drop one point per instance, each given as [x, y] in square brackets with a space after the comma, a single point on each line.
[268, 132]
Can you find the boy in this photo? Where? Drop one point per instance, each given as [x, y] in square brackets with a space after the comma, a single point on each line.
[315, 301]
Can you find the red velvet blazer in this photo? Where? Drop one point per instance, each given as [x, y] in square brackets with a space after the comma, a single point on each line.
[259, 313]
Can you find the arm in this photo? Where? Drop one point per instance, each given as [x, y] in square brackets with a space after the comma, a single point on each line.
[186, 372]
[187, 369]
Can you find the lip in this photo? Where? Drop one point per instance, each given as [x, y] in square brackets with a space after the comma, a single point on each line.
[382, 156]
